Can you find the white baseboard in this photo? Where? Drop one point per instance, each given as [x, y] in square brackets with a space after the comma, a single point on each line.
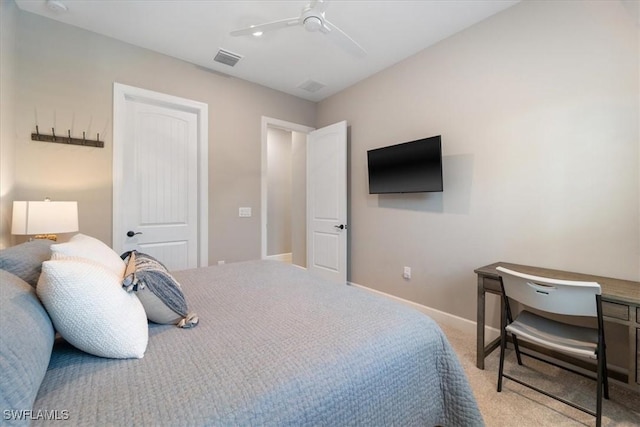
[441, 317]
[281, 257]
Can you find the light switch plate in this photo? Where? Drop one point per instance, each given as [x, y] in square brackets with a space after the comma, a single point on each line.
[244, 212]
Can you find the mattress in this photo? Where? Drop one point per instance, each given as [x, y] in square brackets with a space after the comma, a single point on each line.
[274, 346]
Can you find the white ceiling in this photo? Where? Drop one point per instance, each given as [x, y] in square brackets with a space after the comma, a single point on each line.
[194, 30]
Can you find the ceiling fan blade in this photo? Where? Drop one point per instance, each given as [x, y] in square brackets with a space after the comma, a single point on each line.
[319, 6]
[342, 39]
[269, 26]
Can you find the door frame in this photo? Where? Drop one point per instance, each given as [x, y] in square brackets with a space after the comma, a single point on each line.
[266, 123]
[123, 93]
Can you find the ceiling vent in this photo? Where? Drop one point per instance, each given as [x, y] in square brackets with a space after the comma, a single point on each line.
[311, 86]
[227, 58]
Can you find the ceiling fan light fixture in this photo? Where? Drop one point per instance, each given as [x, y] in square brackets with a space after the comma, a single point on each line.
[256, 33]
[312, 19]
[312, 23]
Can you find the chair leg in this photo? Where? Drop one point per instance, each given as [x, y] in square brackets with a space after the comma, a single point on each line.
[505, 309]
[605, 372]
[601, 371]
[503, 345]
[517, 347]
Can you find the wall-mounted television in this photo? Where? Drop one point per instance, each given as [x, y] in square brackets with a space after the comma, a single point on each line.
[410, 167]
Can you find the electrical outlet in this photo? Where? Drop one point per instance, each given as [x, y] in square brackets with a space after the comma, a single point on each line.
[406, 273]
[221, 262]
[244, 212]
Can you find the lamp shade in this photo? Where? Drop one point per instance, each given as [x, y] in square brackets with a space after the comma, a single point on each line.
[44, 217]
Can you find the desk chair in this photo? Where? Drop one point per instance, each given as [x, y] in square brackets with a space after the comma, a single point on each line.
[562, 297]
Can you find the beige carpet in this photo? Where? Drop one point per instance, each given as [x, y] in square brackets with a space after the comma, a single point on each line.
[519, 406]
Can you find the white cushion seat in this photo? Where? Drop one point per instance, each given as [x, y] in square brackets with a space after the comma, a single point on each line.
[577, 340]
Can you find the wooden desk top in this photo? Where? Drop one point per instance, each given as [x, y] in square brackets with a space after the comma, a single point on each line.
[624, 291]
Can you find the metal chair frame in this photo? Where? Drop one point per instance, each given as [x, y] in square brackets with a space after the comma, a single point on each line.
[601, 376]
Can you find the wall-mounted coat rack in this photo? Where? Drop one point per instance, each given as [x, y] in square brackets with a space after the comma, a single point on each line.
[67, 139]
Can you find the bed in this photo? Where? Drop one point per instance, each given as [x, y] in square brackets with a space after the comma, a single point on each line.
[274, 346]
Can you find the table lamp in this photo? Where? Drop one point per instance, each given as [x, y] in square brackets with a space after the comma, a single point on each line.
[44, 219]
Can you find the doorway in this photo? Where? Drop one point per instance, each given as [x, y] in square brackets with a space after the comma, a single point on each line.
[324, 181]
[284, 191]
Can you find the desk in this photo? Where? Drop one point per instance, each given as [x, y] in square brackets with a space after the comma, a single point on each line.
[620, 304]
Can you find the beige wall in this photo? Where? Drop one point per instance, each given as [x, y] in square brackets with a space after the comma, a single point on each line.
[8, 16]
[64, 78]
[538, 111]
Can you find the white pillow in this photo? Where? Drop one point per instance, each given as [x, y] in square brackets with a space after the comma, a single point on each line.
[91, 310]
[88, 247]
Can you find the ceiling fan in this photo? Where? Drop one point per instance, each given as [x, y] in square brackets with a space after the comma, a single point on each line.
[312, 19]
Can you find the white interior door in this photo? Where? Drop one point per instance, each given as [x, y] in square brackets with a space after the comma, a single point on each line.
[157, 200]
[327, 202]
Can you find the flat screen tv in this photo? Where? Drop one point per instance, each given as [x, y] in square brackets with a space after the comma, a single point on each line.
[410, 167]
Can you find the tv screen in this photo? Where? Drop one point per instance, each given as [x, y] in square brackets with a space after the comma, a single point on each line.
[411, 167]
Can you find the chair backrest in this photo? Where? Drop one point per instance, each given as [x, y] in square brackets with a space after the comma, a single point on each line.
[566, 297]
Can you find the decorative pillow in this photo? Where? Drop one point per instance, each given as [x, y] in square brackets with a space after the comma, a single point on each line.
[90, 309]
[158, 291]
[90, 248]
[25, 347]
[25, 260]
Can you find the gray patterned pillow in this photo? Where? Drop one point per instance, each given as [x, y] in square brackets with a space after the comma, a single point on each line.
[157, 290]
[26, 344]
[25, 260]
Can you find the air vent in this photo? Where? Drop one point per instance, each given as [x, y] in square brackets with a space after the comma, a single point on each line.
[227, 58]
[311, 86]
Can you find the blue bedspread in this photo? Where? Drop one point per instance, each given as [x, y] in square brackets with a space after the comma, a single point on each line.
[274, 347]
